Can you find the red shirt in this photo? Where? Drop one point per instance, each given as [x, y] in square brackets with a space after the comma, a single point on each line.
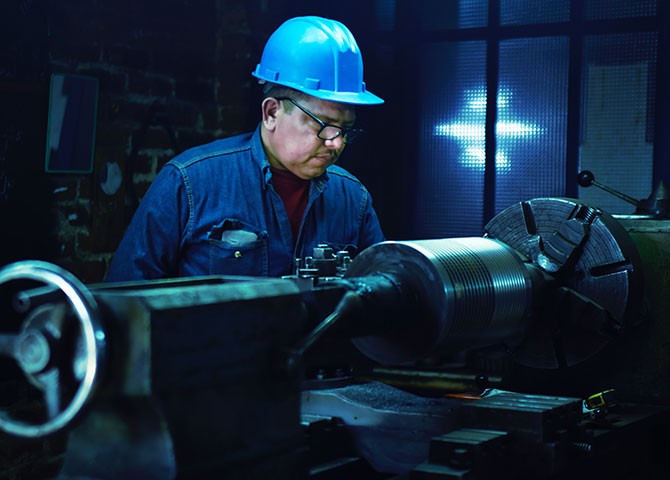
[294, 192]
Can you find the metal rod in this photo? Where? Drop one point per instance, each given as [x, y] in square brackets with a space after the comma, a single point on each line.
[318, 332]
[27, 299]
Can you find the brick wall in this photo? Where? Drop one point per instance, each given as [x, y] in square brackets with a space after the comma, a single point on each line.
[172, 74]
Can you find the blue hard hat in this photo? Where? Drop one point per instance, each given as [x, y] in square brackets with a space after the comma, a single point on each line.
[317, 56]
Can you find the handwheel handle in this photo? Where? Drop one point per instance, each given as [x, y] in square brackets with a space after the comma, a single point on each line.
[20, 347]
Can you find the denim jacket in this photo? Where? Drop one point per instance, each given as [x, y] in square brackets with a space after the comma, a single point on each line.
[212, 210]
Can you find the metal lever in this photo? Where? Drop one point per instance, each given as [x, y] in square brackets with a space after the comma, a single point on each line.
[585, 178]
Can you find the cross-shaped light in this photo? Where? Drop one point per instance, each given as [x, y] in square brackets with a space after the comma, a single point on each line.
[469, 129]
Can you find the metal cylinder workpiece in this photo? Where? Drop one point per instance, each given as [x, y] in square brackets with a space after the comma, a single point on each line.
[467, 292]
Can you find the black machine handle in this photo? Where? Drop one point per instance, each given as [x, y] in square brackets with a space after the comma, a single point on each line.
[657, 205]
[585, 178]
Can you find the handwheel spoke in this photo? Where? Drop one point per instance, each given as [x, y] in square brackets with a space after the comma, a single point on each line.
[52, 391]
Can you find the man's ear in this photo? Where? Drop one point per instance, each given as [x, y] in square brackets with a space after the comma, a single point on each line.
[270, 107]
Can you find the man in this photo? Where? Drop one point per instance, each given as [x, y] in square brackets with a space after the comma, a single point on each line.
[252, 204]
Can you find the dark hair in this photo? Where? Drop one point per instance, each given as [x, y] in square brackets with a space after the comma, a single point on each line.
[278, 91]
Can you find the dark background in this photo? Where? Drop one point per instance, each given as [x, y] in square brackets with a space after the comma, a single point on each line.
[176, 73]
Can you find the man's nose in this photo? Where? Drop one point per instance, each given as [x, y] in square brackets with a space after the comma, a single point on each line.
[336, 143]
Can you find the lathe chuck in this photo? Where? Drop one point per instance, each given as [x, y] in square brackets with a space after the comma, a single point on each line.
[594, 277]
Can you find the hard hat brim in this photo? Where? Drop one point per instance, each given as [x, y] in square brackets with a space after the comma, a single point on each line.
[353, 98]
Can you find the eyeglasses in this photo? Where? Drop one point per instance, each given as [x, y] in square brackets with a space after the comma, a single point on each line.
[328, 132]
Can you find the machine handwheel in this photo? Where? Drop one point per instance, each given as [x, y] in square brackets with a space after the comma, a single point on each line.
[59, 347]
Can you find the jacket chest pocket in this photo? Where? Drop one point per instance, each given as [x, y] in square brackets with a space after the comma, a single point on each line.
[237, 248]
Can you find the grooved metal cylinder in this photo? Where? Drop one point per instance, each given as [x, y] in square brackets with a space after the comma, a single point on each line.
[468, 292]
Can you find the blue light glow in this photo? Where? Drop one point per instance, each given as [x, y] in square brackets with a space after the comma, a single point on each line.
[469, 130]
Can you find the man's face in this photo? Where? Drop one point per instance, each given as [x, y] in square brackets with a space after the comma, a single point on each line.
[293, 143]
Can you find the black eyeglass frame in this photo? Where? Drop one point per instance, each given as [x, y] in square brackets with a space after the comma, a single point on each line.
[349, 135]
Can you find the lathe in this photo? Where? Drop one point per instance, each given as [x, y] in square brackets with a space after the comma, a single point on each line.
[539, 350]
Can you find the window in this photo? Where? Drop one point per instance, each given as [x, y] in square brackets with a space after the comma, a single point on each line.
[516, 97]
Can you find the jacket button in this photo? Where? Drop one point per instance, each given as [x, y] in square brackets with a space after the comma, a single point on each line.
[238, 254]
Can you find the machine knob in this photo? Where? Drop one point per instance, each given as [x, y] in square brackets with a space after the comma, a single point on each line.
[585, 178]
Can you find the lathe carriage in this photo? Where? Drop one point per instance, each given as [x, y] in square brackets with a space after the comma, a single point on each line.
[539, 350]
